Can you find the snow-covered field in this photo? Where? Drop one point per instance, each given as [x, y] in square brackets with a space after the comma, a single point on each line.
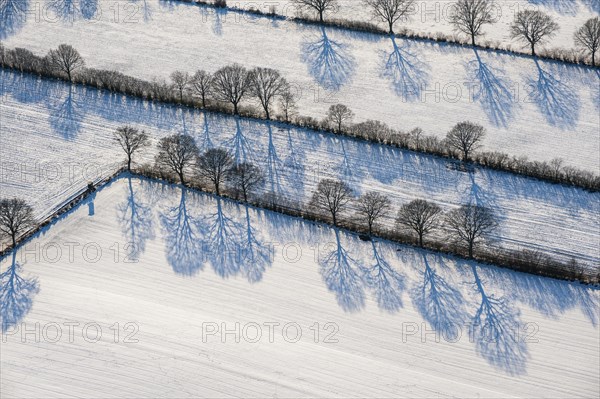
[534, 108]
[56, 139]
[204, 265]
[434, 16]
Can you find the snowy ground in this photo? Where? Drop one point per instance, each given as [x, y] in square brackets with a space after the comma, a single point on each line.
[539, 109]
[434, 16]
[188, 282]
[56, 139]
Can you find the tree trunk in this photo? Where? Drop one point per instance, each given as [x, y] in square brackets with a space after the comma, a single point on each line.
[235, 108]
[203, 101]
[391, 23]
[69, 75]
[533, 49]
[594, 58]
[267, 113]
[473, 40]
[334, 218]
[471, 249]
[421, 240]
[181, 178]
[217, 187]
[321, 15]
[14, 240]
[129, 163]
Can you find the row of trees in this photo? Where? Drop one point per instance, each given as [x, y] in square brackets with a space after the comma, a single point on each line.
[469, 17]
[469, 224]
[178, 155]
[233, 84]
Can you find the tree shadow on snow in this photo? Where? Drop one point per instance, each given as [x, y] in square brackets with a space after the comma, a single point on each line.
[66, 115]
[555, 99]
[492, 89]
[182, 237]
[497, 328]
[386, 283]
[16, 294]
[436, 299]
[329, 62]
[342, 275]
[565, 7]
[407, 74]
[13, 15]
[137, 221]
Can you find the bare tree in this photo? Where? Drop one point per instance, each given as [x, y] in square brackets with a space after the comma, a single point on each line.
[215, 165]
[65, 59]
[319, 6]
[420, 216]
[266, 84]
[533, 27]
[287, 104]
[470, 224]
[177, 153]
[588, 37]
[230, 84]
[339, 114]
[16, 217]
[131, 140]
[201, 85]
[332, 196]
[465, 137]
[247, 178]
[470, 15]
[371, 207]
[390, 11]
[180, 80]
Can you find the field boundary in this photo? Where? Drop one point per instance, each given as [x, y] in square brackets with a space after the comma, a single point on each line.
[560, 54]
[498, 257]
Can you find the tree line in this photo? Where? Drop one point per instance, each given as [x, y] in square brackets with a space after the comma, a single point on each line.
[234, 89]
[466, 230]
[467, 17]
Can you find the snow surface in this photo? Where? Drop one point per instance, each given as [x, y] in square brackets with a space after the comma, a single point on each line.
[434, 16]
[56, 138]
[184, 278]
[531, 108]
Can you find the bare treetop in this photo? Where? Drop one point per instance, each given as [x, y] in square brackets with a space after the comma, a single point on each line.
[16, 217]
[339, 114]
[230, 84]
[66, 59]
[319, 6]
[588, 37]
[215, 165]
[177, 153]
[390, 11]
[247, 177]
[533, 27]
[332, 196]
[180, 80]
[469, 16]
[371, 207]
[131, 140]
[266, 84]
[420, 216]
[465, 137]
[201, 85]
[470, 224]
